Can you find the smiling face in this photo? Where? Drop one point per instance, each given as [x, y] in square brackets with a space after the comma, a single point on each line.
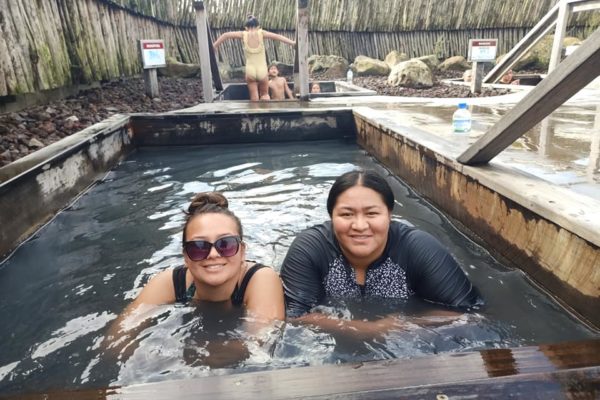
[361, 221]
[215, 272]
[273, 71]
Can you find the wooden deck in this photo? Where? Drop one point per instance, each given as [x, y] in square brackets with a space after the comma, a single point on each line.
[556, 371]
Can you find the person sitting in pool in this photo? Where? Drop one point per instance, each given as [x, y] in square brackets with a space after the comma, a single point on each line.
[361, 253]
[278, 86]
[256, 59]
[315, 88]
[216, 269]
[508, 78]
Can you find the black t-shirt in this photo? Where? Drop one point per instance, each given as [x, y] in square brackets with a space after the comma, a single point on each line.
[413, 263]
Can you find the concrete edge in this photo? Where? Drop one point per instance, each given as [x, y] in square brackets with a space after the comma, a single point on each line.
[577, 213]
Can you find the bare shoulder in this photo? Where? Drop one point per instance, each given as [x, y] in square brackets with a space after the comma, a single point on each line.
[159, 290]
[265, 276]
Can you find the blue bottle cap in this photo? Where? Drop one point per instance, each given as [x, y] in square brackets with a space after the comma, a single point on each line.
[462, 105]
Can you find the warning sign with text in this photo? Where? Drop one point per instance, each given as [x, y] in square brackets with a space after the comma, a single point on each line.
[153, 53]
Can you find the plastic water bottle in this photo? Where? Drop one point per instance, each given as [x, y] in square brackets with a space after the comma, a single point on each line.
[461, 120]
[349, 76]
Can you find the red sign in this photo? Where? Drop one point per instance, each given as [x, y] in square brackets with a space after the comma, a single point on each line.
[153, 45]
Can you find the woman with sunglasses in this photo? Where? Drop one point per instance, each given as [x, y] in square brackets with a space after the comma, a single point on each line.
[361, 254]
[216, 269]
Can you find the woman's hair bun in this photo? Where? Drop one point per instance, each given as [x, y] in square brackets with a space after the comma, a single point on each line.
[204, 199]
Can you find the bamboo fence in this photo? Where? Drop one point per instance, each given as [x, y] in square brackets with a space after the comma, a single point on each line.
[48, 44]
[54, 43]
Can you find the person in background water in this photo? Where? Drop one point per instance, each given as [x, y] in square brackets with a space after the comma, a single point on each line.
[256, 59]
[508, 79]
[278, 86]
[315, 88]
[361, 253]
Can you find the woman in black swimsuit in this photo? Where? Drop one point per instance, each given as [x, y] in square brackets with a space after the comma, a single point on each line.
[216, 269]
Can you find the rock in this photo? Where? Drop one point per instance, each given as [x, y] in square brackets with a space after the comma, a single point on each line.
[176, 69]
[22, 138]
[51, 111]
[35, 144]
[40, 116]
[431, 61]
[3, 129]
[412, 74]
[48, 127]
[39, 132]
[366, 66]
[72, 118]
[231, 73]
[331, 64]
[539, 56]
[395, 57]
[456, 63]
[5, 156]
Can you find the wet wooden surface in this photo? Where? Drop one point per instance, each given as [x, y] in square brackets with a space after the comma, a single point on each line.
[556, 371]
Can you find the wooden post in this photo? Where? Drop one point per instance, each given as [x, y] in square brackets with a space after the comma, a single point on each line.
[594, 163]
[564, 11]
[546, 135]
[579, 69]
[151, 83]
[205, 69]
[301, 80]
[476, 77]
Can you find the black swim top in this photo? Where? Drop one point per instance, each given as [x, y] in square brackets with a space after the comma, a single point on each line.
[413, 263]
[184, 295]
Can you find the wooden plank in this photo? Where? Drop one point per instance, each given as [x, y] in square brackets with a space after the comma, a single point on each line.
[589, 5]
[579, 69]
[524, 45]
[564, 12]
[214, 66]
[151, 83]
[205, 68]
[302, 48]
[582, 383]
[476, 77]
[370, 377]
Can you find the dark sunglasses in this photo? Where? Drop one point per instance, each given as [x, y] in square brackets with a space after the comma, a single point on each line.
[198, 250]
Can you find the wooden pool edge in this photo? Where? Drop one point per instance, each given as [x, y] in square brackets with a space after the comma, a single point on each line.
[561, 370]
[551, 235]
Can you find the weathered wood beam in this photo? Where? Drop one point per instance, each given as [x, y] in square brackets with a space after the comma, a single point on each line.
[214, 65]
[533, 36]
[574, 73]
[302, 48]
[588, 5]
[564, 12]
[476, 77]
[205, 68]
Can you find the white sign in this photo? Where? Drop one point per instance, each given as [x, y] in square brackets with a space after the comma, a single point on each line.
[153, 54]
[482, 50]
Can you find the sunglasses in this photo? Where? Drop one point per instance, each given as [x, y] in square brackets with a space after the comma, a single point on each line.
[198, 250]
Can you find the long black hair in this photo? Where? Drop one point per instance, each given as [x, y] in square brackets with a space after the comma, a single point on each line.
[366, 178]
